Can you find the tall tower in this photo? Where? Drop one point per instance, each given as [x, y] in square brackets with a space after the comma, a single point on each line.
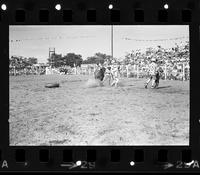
[51, 54]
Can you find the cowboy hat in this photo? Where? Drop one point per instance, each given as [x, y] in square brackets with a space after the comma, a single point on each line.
[153, 59]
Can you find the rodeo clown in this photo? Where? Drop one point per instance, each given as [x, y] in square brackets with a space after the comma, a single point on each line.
[153, 74]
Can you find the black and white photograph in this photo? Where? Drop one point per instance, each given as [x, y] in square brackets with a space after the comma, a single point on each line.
[99, 85]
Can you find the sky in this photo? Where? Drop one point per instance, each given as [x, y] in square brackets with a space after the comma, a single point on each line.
[34, 41]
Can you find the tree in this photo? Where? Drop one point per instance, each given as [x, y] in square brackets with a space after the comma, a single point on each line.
[91, 60]
[71, 59]
[32, 60]
[98, 58]
[20, 63]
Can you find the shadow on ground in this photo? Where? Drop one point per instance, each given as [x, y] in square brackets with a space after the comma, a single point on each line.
[162, 87]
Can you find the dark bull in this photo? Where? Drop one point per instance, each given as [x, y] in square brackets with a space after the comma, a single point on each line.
[99, 74]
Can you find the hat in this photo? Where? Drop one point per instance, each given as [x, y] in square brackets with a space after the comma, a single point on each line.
[153, 59]
[113, 61]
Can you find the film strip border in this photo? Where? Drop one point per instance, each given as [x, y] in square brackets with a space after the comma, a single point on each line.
[100, 159]
[99, 12]
[104, 159]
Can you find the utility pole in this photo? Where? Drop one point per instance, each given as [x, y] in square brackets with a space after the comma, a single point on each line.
[112, 41]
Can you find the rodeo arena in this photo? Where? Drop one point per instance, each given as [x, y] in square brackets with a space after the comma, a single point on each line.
[140, 99]
[173, 63]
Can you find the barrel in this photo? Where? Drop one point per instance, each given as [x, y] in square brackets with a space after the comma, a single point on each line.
[52, 85]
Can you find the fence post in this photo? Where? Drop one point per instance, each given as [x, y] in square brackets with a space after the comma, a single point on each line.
[165, 71]
[137, 71]
[183, 72]
[14, 71]
[127, 71]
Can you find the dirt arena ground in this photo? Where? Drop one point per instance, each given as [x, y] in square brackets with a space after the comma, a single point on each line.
[74, 114]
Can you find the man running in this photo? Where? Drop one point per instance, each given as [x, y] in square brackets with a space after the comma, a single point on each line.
[108, 75]
[116, 75]
[153, 67]
[158, 74]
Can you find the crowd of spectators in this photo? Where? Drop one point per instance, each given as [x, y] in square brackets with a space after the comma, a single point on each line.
[19, 65]
[174, 62]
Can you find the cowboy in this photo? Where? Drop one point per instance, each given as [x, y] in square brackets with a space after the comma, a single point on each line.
[116, 75]
[108, 74]
[157, 77]
[153, 67]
